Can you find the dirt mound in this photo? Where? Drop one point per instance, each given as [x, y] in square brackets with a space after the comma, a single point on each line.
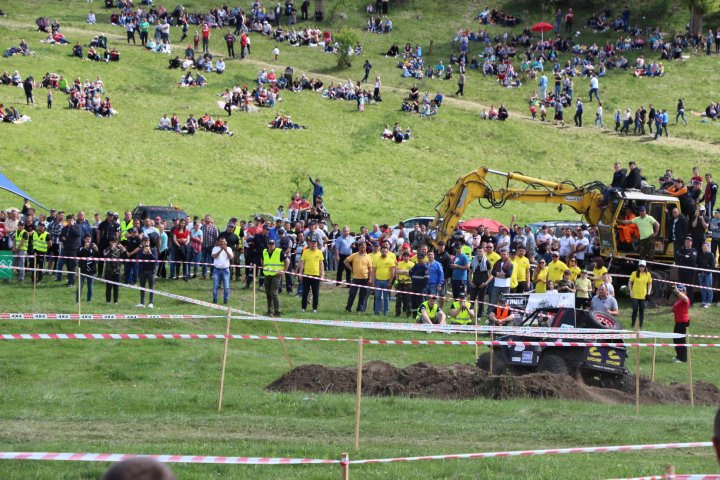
[462, 381]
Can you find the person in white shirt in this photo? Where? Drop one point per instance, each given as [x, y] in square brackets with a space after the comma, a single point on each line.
[567, 245]
[582, 244]
[222, 257]
[607, 282]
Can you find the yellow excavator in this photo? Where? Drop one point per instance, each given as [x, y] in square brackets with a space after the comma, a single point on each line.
[586, 200]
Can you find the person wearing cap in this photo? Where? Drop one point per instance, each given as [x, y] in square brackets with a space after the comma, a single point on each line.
[107, 229]
[640, 286]
[681, 315]
[41, 245]
[20, 249]
[313, 269]
[115, 251]
[556, 267]
[429, 312]
[687, 256]
[419, 275]
[460, 311]
[706, 261]
[343, 249]
[648, 228]
[274, 265]
[502, 315]
[360, 263]
[71, 241]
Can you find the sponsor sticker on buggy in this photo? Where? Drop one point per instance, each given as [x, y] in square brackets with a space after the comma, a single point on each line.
[519, 348]
[527, 356]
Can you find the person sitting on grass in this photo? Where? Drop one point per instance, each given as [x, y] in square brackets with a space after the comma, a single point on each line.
[220, 66]
[165, 123]
[77, 51]
[429, 312]
[502, 315]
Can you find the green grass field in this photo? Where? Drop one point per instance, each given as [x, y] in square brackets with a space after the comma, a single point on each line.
[160, 396]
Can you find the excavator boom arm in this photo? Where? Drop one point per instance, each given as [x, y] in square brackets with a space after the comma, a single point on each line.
[584, 200]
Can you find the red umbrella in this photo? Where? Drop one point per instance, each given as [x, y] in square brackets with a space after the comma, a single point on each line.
[542, 27]
[474, 223]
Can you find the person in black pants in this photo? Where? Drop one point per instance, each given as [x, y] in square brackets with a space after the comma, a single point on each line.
[479, 279]
[147, 257]
[311, 273]
[113, 268]
[681, 313]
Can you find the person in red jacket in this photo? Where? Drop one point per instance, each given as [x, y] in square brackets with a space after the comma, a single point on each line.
[682, 322]
[205, 37]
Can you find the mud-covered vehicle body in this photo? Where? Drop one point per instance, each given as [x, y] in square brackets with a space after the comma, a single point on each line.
[603, 366]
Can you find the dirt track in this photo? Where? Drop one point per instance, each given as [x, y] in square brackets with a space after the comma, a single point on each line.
[462, 381]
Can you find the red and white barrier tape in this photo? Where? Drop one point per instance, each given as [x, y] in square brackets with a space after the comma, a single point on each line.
[118, 457]
[529, 453]
[219, 336]
[668, 476]
[101, 316]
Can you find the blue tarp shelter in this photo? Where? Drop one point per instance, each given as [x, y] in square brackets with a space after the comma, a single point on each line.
[8, 185]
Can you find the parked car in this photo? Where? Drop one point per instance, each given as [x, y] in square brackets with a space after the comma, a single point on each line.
[166, 213]
[558, 225]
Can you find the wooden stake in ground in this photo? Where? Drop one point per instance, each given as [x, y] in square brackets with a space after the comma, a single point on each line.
[34, 281]
[254, 288]
[492, 351]
[652, 370]
[79, 300]
[637, 370]
[690, 376]
[476, 326]
[284, 347]
[358, 394]
[345, 466]
[224, 361]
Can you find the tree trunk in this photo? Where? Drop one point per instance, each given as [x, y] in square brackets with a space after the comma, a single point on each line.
[696, 19]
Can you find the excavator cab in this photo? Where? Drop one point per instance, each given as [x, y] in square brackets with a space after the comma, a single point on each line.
[628, 202]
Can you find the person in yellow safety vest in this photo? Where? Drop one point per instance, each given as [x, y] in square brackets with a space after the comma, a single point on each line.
[20, 249]
[41, 245]
[503, 316]
[429, 313]
[466, 249]
[125, 226]
[461, 312]
[274, 264]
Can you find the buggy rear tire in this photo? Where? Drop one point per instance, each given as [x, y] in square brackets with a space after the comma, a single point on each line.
[553, 363]
[499, 365]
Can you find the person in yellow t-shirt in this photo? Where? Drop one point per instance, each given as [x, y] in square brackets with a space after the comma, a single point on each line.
[573, 267]
[424, 250]
[522, 267]
[556, 268]
[640, 286]
[360, 264]
[311, 266]
[491, 254]
[381, 277]
[403, 285]
[514, 281]
[598, 271]
[540, 276]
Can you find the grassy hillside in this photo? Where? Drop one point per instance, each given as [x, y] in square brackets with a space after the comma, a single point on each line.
[124, 160]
